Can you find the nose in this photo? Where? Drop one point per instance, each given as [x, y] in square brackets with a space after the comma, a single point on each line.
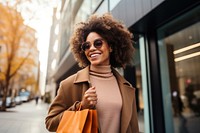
[92, 47]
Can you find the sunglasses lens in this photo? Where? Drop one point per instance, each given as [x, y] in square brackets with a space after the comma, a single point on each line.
[85, 46]
[98, 43]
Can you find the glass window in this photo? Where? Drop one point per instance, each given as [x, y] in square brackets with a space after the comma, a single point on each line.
[84, 12]
[95, 4]
[65, 30]
[179, 53]
[74, 12]
[113, 3]
[137, 76]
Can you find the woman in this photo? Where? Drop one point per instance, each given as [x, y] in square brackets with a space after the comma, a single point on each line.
[99, 45]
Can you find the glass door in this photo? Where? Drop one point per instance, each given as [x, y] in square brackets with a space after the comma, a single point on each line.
[179, 54]
[137, 75]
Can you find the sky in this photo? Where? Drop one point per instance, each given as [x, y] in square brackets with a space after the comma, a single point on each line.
[42, 26]
[40, 19]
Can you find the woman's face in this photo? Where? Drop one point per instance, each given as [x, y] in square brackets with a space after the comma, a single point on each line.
[97, 50]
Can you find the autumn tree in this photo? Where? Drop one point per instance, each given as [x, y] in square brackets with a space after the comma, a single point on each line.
[17, 42]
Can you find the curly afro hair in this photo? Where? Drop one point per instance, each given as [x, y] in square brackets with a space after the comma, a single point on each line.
[114, 32]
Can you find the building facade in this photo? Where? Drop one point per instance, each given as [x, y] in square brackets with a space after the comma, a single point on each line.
[166, 61]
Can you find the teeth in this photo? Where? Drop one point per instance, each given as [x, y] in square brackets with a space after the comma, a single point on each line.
[93, 55]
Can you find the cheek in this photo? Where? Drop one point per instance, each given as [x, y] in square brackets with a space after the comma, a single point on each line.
[106, 54]
[87, 57]
[86, 53]
[107, 51]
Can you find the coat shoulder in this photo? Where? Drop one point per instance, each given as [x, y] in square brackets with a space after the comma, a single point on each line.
[69, 80]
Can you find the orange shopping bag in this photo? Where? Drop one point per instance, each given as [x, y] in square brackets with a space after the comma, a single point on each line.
[81, 121]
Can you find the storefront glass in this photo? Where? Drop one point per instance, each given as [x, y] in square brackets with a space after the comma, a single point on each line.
[179, 54]
[137, 76]
[144, 85]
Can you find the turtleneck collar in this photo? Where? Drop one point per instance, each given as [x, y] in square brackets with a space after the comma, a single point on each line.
[101, 71]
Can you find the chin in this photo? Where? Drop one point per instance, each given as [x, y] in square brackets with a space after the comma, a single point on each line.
[95, 63]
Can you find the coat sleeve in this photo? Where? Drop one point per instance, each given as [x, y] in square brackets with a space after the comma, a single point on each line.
[66, 99]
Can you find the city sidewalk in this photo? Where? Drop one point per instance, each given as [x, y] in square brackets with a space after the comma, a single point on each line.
[25, 118]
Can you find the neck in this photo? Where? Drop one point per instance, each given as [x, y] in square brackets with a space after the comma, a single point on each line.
[101, 71]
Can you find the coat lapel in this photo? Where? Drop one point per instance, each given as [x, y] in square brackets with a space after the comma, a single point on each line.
[127, 93]
[82, 76]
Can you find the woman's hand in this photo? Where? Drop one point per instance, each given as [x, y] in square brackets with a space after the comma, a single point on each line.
[89, 99]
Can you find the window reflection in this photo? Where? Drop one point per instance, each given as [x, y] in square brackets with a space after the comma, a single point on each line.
[182, 58]
[133, 73]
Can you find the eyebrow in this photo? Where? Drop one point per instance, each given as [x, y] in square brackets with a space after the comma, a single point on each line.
[96, 39]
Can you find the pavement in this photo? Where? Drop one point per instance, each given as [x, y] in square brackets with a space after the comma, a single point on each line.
[25, 118]
[30, 118]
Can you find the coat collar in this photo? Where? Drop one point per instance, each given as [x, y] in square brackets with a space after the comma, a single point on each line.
[82, 76]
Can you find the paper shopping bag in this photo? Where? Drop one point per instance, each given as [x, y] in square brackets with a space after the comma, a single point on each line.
[81, 121]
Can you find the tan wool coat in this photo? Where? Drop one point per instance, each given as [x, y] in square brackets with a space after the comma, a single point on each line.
[70, 94]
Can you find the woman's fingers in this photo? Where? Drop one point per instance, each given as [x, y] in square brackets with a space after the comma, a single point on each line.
[90, 90]
[90, 98]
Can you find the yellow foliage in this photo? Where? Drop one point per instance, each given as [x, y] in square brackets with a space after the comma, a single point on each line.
[18, 56]
[2, 76]
[18, 39]
[30, 81]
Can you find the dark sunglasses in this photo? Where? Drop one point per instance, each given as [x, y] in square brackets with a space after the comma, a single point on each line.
[97, 44]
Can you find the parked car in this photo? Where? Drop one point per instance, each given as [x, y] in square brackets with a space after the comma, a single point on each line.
[24, 96]
[10, 102]
[18, 100]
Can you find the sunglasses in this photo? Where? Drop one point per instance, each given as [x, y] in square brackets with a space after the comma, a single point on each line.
[97, 44]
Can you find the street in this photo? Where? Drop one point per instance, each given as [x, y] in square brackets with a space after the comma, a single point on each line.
[25, 118]
[30, 118]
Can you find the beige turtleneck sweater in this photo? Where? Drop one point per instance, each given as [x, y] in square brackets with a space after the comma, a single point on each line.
[109, 102]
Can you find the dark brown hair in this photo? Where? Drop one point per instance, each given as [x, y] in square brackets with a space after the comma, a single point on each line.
[113, 31]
